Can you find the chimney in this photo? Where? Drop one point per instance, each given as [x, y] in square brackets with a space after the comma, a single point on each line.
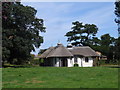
[59, 44]
[69, 46]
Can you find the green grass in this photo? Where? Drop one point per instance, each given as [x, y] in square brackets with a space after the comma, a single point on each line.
[62, 77]
[0, 78]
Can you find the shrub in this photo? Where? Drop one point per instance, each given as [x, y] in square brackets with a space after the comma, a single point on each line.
[35, 61]
[76, 65]
[41, 62]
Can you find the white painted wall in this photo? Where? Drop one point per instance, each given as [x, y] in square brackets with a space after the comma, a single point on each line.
[70, 62]
[80, 61]
[89, 63]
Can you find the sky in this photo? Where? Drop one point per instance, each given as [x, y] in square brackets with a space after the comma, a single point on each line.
[58, 18]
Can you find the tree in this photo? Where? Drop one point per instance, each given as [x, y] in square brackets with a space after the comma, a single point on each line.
[41, 51]
[81, 34]
[117, 49]
[117, 13]
[107, 40]
[95, 41]
[21, 30]
[107, 44]
[117, 44]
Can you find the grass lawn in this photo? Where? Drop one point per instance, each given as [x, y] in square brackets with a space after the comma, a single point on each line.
[61, 77]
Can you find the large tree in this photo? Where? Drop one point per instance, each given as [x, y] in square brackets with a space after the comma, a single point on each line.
[117, 13]
[107, 44]
[117, 49]
[20, 31]
[81, 34]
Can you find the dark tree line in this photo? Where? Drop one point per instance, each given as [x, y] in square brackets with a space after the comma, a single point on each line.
[20, 31]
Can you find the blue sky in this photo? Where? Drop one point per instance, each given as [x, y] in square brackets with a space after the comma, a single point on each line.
[58, 18]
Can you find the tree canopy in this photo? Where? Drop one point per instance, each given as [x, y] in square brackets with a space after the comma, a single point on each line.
[117, 13]
[20, 31]
[85, 35]
[81, 34]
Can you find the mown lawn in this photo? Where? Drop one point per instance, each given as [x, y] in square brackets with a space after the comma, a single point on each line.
[62, 77]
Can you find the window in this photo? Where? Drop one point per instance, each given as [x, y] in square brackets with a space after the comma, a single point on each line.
[75, 59]
[55, 60]
[86, 59]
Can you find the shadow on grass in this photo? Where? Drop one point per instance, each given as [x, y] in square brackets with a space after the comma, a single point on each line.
[112, 66]
[18, 66]
[115, 67]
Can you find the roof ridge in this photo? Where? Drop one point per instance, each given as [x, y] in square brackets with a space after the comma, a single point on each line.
[82, 47]
[51, 49]
[61, 47]
[50, 52]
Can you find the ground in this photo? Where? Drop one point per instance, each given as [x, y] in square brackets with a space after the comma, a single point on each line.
[61, 77]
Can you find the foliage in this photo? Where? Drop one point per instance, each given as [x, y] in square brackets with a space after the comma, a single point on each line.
[104, 63]
[117, 10]
[35, 62]
[41, 62]
[21, 31]
[117, 49]
[32, 56]
[41, 51]
[107, 44]
[107, 40]
[117, 13]
[76, 65]
[85, 35]
[81, 34]
[63, 77]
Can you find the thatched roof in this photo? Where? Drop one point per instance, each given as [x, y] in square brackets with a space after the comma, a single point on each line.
[61, 51]
[46, 53]
[58, 51]
[83, 51]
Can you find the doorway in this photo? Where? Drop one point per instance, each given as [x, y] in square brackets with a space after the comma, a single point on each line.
[64, 62]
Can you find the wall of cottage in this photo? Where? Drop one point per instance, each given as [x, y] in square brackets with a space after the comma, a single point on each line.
[80, 61]
[89, 63]
[70, 62]
[55, 62]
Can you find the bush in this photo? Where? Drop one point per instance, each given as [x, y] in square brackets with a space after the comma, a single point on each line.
[111, 62]
[41, 62]
[76, 65]
[35, 61]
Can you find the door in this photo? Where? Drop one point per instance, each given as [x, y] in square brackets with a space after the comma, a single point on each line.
[64, 62]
